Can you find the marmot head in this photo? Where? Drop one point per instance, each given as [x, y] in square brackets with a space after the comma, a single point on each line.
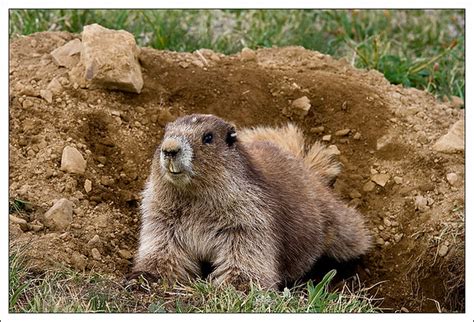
[196, 148]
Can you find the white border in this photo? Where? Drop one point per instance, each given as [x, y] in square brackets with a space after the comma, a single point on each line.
[5, 5]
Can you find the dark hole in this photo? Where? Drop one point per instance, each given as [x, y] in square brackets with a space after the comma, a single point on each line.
[206, 269]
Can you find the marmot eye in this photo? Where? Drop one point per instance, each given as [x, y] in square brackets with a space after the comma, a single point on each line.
[207, 138]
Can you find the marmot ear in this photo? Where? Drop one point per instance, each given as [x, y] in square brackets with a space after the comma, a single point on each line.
[231, 136]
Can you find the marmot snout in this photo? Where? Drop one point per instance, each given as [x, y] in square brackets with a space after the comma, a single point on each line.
[252, 205]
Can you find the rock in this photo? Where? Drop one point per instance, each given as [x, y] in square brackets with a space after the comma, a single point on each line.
[421, 203]
[357, 136]
[369, 186]
[443, 250]
[109, 59]
[21, 222]
[125, 254]
[380, 241]
[54, 86]
[59, 216]
[355, 194]
[317, 130]
[247, 54]
[299, 108]
[387, 222]
[333, 150]
[95, 254]
[342, 132]
[79, 261]
[36, 227]
[47, 95]
[452, 178]
[72, 161]
[326, 138]
[404, 310]
[94, 241]
[67, 55]
[453, 141]
[380, 178]
[398, 180]
[87, 186]
[398, 237]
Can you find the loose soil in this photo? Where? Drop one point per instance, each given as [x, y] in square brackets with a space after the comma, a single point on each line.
[118, 132]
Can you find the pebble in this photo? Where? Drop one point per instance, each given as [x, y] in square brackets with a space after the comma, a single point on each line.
[87, 186]
[404, 310]
[398, 237]
[94, 241]
[299, 107]
[369, 186]
[453, 141]
[380, 241]
[317, 130]
[327, 138]
[47, 95]
[54, 86]
[95, 254]
[443, 250]
[381, 179]
[72, 161]
[421, 203]
[387, 222]
[59, 216]
[21, 222]
[357, 136]
[125, 254]
[355, 194]
[398, 180]
[452, 178]
[248, 54]
[27, 103]
[342, 132]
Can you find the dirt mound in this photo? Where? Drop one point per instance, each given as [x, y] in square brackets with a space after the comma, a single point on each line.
[391, 172]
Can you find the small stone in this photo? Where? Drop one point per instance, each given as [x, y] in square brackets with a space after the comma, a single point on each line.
[443, 250]
[59, 216]
[404, 310]
[95, 254]
[373, 171]
[381, 179]
[87, 186]
[421, 203]
[27, 104]
[453, 141]
[452, 178]
[67, 55]
[298, 108]
[79, 261]
[54, 86]
[317, 130]
[125, 254]
[183, 64]
[72, 161]
[247, 54]
[342, 132]
[47, 95]
[355, 194]
[21, 222]
[327, 138]
[107, 181]
[387, 222]
[369, 186]
[109, 59]
[398, 237]
[380, 241]
[333, 150]
[357, 136]
[36, 227]
[398, 180]
[94, 241]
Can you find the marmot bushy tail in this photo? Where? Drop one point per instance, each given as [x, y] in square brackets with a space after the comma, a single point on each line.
[252, 205]
[291, 139]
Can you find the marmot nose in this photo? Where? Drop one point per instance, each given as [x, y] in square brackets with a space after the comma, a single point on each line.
[170, 147]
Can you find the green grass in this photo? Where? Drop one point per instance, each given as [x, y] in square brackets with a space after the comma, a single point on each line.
[416, 48]
[65, 290]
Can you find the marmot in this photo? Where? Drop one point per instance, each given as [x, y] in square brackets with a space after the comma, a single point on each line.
[252, 206]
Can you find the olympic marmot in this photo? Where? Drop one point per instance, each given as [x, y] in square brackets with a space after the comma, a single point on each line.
[252, 206]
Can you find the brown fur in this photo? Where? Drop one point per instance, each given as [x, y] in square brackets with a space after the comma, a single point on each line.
[258, 209]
